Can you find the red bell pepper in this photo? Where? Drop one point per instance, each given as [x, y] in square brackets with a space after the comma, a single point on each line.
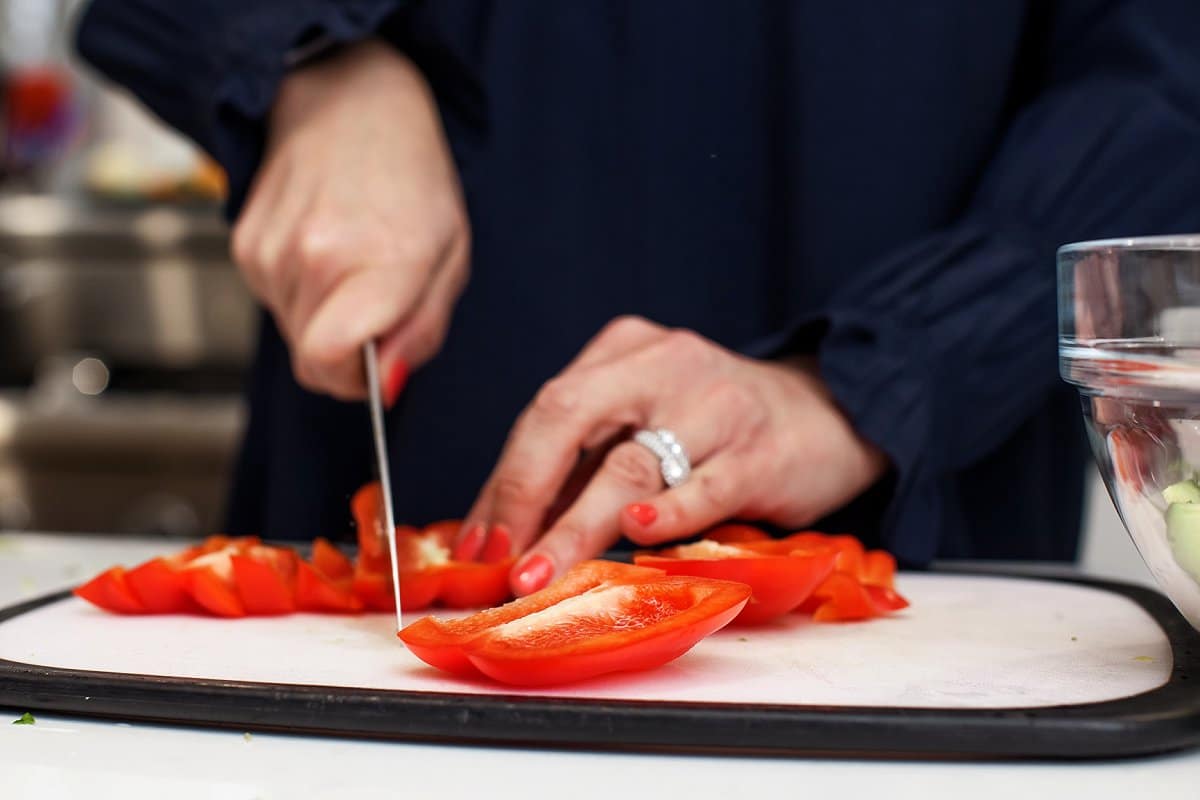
[428, 573]
[439, 643]
[110, 590]
[326, 584]
[780, 582]
[860, 587]
[595, 620]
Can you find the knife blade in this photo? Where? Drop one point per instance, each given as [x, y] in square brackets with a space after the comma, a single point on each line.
[375, 402]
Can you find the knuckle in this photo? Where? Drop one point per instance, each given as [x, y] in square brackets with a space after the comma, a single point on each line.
[314, 243]
[632, 466]
[626, 326]
[689, 346]
[314, 357]
[571, 533]
[421, 247]
[557, 399]
[513, 491]
[242, 247]
[427, 340]
[733, 397]
[738, 404]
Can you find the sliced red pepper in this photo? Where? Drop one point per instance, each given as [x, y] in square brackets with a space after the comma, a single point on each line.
[209, 580]
[850, 550]
[329, 561]
[618, 627]
[161, 587]
[885, 599]
[842, 599]
[428, 574]
[440, 643]
[780, 582]
[265, 579]
[366, 506]
[620, 624]
[327, 583]
[110, 590]
[878, 569]
[315, 592]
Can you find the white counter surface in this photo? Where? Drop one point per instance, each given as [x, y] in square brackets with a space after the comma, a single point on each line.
[72, 757]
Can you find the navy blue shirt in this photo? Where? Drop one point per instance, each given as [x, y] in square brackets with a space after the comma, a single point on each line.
[880, 184]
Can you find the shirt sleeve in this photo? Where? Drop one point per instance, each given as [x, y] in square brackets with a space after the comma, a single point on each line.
[211, 68]
[940, 350]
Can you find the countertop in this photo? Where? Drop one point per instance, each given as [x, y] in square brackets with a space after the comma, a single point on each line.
[74, 757]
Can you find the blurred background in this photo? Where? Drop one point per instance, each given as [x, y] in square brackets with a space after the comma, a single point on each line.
[124, 328]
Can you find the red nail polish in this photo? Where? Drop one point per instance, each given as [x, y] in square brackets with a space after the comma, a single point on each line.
[499, 545]
[644, 513]
[395, 382]
[469, 546]
[533, 575]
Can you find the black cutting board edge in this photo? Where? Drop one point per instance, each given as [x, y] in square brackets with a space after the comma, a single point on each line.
[1164, 719]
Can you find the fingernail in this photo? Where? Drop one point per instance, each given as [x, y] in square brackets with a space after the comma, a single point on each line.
[395, 382]
[644, 513]
[499, 545]
[533, 575]
[469, 546]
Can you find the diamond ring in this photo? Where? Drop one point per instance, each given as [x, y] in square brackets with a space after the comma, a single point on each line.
[673, 460]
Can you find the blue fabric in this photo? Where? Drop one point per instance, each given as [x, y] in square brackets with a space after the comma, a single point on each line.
[883, 185]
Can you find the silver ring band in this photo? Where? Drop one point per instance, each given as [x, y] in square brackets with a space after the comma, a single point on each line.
[673, 461]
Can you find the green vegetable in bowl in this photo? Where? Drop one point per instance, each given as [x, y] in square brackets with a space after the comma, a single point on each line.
[1182, 492]
[24, 719]
[1183, 525]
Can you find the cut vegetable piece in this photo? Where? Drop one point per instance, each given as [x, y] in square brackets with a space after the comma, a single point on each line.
[1183, 534]
[439, 643]
[215, 593]
[612, 628]
[843, 599]
[265, 580]
[316, 592]
[428, 574]
[878, 568]
[161, 587]
[110, 590]
[885, 599]
[1182, 492]
[780, 583]
[329, 561]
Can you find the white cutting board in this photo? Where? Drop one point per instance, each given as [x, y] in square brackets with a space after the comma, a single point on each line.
[966, 642]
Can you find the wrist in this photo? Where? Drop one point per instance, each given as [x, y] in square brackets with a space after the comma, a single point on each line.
[338, 76]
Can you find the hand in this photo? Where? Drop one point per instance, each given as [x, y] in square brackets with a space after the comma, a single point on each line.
[765, 439]
[355, 227]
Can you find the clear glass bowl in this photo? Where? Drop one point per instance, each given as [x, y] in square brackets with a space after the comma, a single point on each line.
[1129, 339]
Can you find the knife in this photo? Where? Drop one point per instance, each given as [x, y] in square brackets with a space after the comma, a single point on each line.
[375, 401]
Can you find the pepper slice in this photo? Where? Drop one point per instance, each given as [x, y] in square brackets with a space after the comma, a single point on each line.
[622, 623]
[780, 582]
[110, 590]
[861, 586]
[326, 584]
[440, 643]
[428, 573]
[160, 586]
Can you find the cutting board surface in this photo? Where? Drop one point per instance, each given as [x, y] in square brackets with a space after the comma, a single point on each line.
[966, 642]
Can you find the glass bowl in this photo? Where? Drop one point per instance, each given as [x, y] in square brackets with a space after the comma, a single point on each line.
[1129, 339]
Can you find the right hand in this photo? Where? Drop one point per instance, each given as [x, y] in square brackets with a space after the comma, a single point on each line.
[355, 227]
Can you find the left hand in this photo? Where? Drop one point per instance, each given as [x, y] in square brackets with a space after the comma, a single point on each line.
[765, 439]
